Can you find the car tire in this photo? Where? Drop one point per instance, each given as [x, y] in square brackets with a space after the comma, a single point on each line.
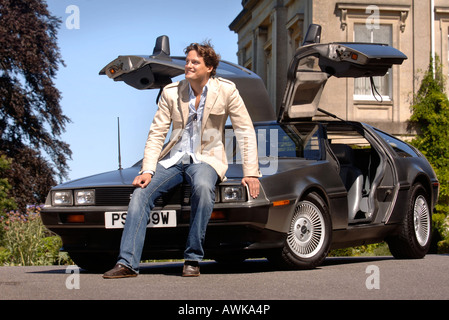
[309, 236]
[94, 261]
[413, 241]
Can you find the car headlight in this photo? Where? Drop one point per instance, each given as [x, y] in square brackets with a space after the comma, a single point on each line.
[62, 198]
[233, 193]
[84, 197]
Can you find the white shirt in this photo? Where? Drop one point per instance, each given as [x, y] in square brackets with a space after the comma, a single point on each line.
[191, 136]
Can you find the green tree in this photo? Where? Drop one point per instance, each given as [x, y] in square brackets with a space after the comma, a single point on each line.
[6, 201]
[430, 120]
[31, 119]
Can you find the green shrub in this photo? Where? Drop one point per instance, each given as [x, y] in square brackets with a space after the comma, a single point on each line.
[376, 249]
[430, 121]
[441, 232]
[26, 242]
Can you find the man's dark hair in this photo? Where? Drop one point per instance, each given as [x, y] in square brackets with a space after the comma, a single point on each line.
[207, 52]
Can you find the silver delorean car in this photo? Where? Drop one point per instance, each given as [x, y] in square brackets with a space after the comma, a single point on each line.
[326, 183]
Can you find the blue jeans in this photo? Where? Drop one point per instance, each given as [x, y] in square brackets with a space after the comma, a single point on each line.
[202, 179]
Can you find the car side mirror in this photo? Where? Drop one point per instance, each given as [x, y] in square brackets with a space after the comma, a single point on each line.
[313, 34]
[161, 48]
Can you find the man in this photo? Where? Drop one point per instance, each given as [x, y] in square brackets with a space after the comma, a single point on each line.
[197, 108]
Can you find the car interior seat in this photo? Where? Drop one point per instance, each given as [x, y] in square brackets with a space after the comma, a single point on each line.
[351, 176]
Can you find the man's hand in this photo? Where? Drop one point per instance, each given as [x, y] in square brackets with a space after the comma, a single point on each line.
[143, 180]
[253, 185]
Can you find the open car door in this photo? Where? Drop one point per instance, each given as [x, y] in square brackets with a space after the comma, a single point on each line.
[157, 70]
[313, 63]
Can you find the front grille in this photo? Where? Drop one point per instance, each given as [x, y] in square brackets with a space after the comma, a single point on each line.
[120, 196]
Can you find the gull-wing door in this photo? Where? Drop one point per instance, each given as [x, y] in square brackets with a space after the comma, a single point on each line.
[146, 72]
[157, 70]
[313, 63]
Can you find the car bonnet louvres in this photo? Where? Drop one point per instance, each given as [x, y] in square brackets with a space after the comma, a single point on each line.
[120, 196]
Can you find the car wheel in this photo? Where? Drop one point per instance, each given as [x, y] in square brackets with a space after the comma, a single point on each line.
[309, 235]
[94, 261]
[413, 242]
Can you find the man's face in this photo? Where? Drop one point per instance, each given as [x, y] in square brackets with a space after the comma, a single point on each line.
[195, 68]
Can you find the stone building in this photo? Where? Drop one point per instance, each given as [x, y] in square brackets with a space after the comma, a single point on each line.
[269, 31]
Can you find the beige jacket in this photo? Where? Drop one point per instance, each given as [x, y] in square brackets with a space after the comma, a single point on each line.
[222, 100]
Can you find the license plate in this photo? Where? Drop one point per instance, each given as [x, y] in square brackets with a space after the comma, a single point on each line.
[158, 219]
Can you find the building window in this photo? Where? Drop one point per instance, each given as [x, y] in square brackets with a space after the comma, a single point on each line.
[362, 86]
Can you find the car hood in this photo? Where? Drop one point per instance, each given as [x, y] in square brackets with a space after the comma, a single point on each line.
[125, 177]
[313, 63]
[270, 167]
[115, 178]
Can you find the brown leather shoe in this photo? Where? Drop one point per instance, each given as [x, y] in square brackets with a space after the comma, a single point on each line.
[191, 269]
[119, 271]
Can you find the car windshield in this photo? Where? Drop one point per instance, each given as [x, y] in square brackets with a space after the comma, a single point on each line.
[301, 140]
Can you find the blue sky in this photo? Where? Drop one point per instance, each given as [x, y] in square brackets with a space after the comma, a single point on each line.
[107, 29]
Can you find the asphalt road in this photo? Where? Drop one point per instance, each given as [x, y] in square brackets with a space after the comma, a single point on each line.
[353, 278]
